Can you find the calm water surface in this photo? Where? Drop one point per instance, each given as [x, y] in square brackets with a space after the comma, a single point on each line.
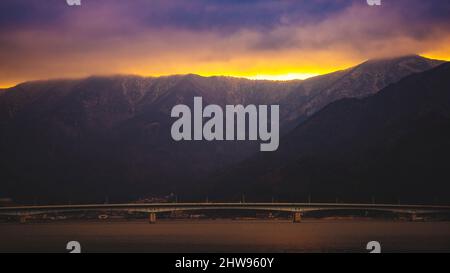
[227, 236]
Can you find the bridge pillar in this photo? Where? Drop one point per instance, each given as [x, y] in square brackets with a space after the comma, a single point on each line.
[297, 217]
[152, 218]
[414, 217]
[23, 219]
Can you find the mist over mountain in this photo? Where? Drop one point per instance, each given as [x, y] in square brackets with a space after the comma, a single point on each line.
[392, 147]
[359, 81]
[87, 139]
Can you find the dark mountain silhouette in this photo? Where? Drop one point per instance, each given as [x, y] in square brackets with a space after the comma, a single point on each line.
[86, 139]
[391, 146]
[359, 81]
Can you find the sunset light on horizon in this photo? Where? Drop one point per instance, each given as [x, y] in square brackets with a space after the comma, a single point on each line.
[269, 40]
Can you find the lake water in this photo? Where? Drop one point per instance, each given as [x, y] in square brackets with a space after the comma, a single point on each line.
[227, 236]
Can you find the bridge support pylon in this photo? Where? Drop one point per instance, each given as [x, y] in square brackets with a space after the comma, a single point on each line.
[23, 219]
[297, 217]
[152, 218]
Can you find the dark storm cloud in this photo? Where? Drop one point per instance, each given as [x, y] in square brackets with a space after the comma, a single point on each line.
[16, 14]
[213, 13]
[47, 38]
[192, 14]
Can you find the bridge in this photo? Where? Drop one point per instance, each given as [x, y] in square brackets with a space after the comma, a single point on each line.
[297, 209]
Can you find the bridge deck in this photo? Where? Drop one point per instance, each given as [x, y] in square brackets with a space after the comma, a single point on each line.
[166, 207]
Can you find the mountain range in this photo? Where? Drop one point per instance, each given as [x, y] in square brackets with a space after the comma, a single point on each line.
[392, 146]
[85, 139]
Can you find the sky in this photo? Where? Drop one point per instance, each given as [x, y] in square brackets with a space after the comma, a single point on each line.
[265, 39]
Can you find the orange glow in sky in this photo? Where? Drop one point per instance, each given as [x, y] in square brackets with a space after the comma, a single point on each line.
[292, 42]
[278, 69]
